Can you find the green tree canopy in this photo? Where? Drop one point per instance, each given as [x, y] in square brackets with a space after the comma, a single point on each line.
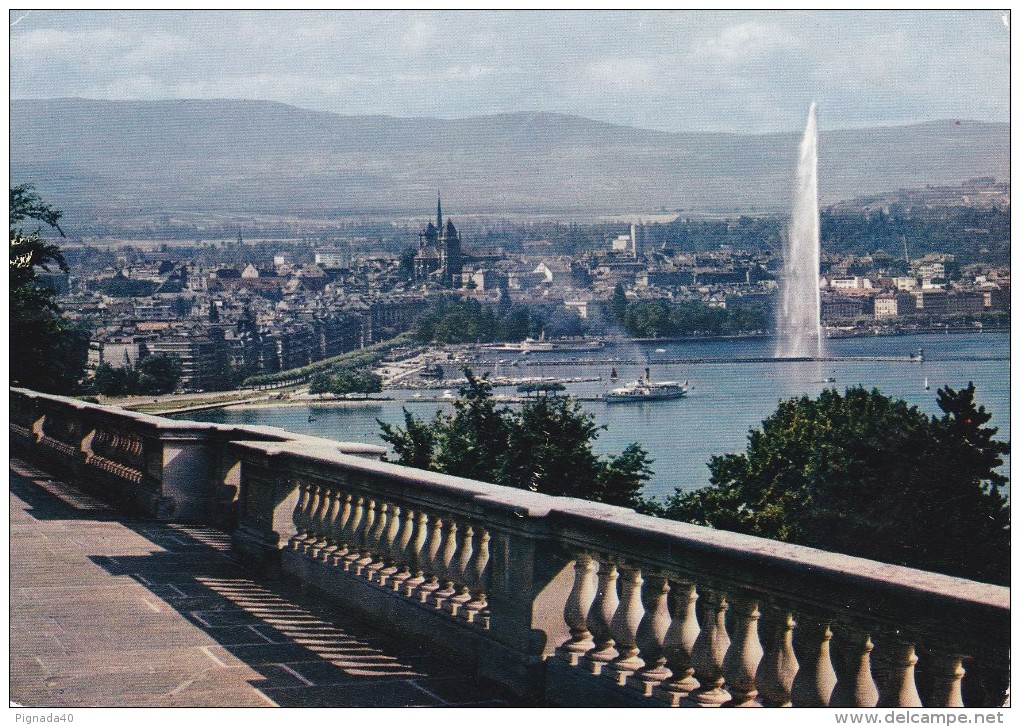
[158, 373]
[545, 447]
[47, 352]
[345, 381]
[865, 474]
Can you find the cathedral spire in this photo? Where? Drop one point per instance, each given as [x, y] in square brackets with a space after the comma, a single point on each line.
[439, 212]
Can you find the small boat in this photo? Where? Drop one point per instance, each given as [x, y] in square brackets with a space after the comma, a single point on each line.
[311, 418]
[647, 390]
[613, 374]
[926, 386]
[660, 350]
[448, 394]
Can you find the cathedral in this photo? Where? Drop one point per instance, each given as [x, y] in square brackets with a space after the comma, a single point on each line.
[439, 259]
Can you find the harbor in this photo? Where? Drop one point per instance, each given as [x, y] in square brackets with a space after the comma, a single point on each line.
[734, 385]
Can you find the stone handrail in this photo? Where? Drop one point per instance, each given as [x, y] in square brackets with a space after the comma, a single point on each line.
[163, 468]
[594, 604]
[563, 600]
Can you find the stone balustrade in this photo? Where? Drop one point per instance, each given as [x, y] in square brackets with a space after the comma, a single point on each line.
[163, 468]
[563, 600]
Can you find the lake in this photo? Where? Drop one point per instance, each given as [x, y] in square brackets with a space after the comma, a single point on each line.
[726, 399]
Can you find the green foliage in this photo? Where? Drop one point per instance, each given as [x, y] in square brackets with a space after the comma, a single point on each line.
[156, 374]
[865, 474]
[345, 381]
[450, 320]
[972, 234]
[361, 358]
[111, 381]
[406, 269]
[47, 352]
[618, 305]
[545, 447]
[662, 318]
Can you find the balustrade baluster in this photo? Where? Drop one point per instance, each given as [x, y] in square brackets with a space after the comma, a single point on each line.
[575, 612]
[651, 635]
[365, 544]
[341, 534]
[625, 625]
[378, 549]
[710, 651]
[300, 517]
[354, 530]
[322, 545]
[855, 686]
[476, 610]
[813, 685]
[329, 526]
[741, 663]
[900, 689]
[417, 554]
[391, 548]
[778, 667]
[432, 567]
[461, 575]
[679, 646]
[600, 618]
[319, 503]
[447, 565]
[947, 690]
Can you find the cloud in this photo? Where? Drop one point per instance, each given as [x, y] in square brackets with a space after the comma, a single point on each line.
[418, 37]
[742, 43]
[622, 74]
[676, 70]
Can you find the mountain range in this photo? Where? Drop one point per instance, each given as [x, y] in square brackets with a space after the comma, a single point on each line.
[231, 157]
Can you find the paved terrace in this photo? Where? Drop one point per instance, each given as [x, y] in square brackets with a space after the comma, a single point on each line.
[109, 611]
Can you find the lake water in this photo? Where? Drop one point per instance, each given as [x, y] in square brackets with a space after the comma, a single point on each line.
[727, 399]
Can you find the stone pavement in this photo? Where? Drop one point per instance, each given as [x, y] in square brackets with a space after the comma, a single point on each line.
[108, 611]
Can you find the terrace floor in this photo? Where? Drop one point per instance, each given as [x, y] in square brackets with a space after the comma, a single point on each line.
[109, 611]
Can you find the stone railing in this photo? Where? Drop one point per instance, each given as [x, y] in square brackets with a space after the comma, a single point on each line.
[587, 604]
[163, 468]
[561, 600]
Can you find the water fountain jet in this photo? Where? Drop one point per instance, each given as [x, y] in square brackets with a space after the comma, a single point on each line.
[798, 321]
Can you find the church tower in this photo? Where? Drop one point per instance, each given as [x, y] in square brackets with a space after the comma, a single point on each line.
[439, 253]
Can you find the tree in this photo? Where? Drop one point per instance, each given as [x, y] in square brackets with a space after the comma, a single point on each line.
[47, 352]
[158, 373]
[345, 381]
[619, 303]
[865, 474]
[545, 447]
[111, 381]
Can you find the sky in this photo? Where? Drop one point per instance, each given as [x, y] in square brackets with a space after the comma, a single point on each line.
[704, 71]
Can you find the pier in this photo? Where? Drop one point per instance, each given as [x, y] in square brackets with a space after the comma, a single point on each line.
[715, 360]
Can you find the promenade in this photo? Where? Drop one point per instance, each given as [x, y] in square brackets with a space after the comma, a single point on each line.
[113, 612]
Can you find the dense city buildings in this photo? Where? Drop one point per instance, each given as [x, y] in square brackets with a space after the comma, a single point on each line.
[249, 306]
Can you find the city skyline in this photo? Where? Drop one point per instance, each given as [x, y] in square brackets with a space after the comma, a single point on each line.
[738, 72]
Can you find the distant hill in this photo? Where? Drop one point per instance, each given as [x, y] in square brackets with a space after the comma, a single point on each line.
[246, 157]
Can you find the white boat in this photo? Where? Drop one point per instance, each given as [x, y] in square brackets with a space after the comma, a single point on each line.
[647, 390]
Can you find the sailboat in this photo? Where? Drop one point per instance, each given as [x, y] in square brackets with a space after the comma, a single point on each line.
[926, 387]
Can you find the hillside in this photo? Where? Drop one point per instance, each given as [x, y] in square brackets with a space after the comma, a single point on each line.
[228, 157]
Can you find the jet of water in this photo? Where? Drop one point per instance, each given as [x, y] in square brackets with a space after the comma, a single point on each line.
[799, 315]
